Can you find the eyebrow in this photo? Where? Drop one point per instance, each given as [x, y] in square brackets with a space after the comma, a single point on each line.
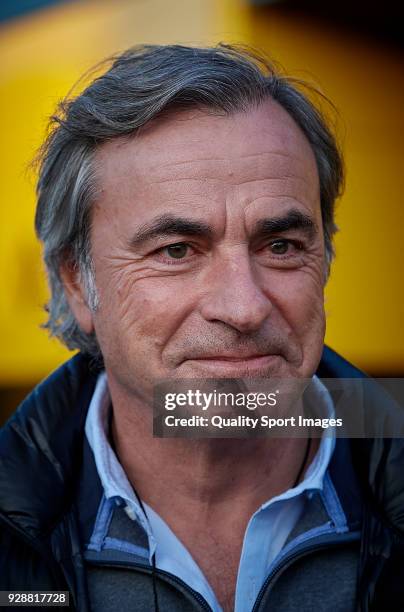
[170, 225]
[293, 220]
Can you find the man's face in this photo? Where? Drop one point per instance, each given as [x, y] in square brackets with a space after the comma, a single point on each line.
[208, 250]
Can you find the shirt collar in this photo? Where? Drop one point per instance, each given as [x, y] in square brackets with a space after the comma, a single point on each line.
[113, 478]
[314, 475]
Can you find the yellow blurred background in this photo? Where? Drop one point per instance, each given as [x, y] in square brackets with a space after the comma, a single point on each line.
[43, 52]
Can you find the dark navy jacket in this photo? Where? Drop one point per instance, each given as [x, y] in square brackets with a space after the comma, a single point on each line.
[50, 491]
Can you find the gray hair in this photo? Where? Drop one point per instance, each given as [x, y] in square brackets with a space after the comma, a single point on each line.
[142, 83]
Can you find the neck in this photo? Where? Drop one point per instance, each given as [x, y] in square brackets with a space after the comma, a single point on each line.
[207, 472]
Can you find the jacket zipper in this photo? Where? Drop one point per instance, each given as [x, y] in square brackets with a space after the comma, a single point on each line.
[303, 551]
[201, 600]
[324, 541]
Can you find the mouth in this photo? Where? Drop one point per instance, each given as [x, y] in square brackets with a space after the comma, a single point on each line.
[232, 357]
[235, 366]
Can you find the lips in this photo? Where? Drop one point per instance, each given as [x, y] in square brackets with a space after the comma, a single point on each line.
[232, 358]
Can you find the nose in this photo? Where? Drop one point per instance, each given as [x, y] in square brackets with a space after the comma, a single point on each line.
[234, 296]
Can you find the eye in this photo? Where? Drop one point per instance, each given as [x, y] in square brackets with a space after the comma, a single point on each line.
[177, 251]
[280, 247]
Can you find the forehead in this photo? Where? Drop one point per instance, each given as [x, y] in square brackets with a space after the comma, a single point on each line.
[196, 153]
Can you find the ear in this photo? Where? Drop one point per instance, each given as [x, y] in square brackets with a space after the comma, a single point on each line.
[76, 296]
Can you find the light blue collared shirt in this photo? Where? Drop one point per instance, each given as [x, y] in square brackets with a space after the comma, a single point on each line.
[267, 529]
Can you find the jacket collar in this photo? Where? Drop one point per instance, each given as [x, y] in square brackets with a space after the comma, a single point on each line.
[41, 448]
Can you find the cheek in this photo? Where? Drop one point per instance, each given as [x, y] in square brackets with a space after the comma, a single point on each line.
[299, 296]
[300, 305]
[142, 313]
